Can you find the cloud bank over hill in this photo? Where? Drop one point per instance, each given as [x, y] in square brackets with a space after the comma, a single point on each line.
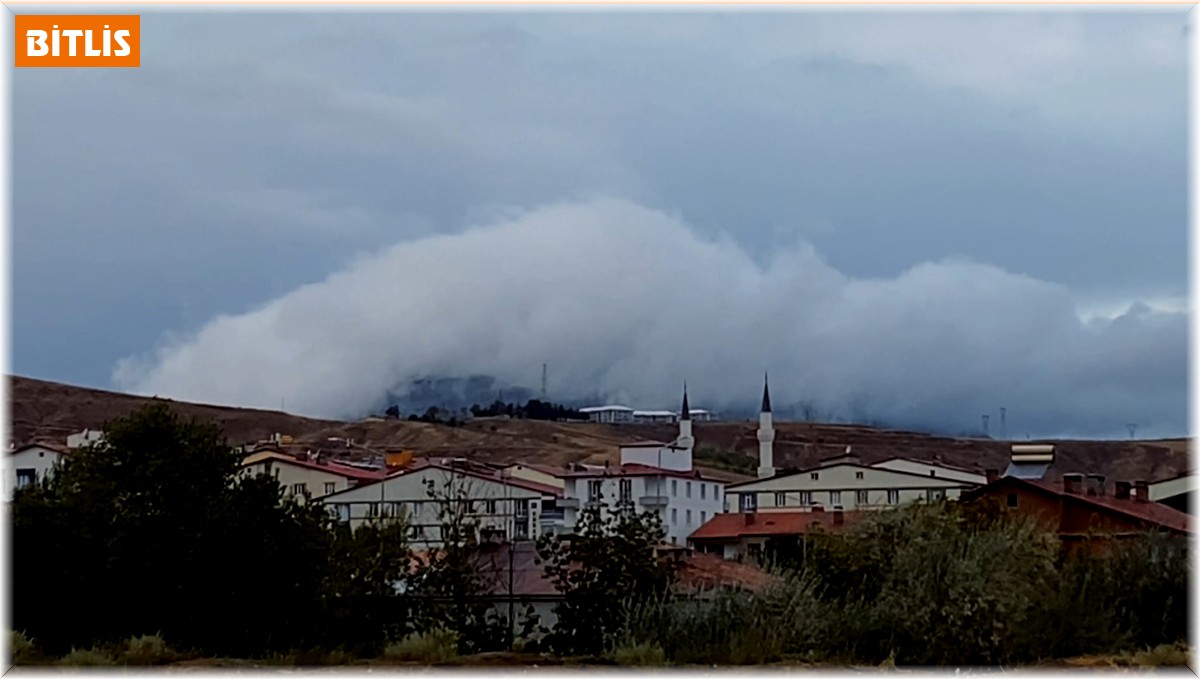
[627, 301]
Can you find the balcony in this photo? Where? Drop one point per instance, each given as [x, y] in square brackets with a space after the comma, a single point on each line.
[653, 501]
[568, 503]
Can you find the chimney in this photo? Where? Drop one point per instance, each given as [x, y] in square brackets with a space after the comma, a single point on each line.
[838, 517]
[993, 475]
[1141, 491]
[1121, 490]
[1072, 484]
[1095, 484]
[818, 508]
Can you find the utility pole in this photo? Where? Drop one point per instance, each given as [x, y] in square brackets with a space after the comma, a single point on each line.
[1003, 424]
[985, 426]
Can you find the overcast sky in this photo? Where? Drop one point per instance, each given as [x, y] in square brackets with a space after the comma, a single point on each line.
[916, 216]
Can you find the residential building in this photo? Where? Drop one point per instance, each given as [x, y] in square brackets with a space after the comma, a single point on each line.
[84, 438]
[608, 414]
[306, 478]
[750, 534]
[1082, 510]
[503, 507]
[933, 470]
[654, 416]
[30, 464]
[1176, 492]
[652, 476]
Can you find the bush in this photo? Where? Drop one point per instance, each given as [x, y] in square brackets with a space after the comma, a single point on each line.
[639, 654]
[22, 650]
[430, 647]
[91, 657]
[1163, 655]
[148, 649]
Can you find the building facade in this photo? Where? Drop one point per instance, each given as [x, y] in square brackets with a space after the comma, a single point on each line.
[501, 507]
[306, 480]
[29, 465]
[608, 414]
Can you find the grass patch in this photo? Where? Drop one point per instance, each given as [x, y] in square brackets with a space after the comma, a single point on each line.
[644, 654]
[149, 649]
[430, 647]
[87, 657]
[22, 650]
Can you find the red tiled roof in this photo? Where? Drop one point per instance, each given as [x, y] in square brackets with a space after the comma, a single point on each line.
[1153, 513]
[330, 467]
[732, 527]
[635, 469]
[48, 445]
[496, 475]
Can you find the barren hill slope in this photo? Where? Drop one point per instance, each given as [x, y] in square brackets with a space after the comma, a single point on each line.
[49, 410]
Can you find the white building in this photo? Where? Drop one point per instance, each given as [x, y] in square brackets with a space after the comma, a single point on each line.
[30, 464]
[841, 483]
[502, 506]
[654, 416]
[652, 476]
[608, 414]
[84, 438]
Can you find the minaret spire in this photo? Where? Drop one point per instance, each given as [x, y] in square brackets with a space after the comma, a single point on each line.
[766, 436]
[684, 413]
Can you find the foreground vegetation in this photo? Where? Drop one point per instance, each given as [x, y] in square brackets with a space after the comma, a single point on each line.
[163, 554]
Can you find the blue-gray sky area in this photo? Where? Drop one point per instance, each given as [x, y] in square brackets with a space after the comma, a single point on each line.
[912, 217]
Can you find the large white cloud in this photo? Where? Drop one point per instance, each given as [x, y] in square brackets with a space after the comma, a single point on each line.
[627, 301]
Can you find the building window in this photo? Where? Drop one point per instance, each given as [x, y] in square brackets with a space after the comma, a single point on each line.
[26, 477]
[805, 498]
[858, 475]
[418, 531]
[343, 513]
[933, 495]
[298, 489]
[703, 517]
[716, 492]
[703, 489]
[689, 517]
[835, 497]
[674, 516]
[893, 497]
[330, 487]
[1012, 499]
[491, 506]
[416, 508]
[860, 497]
[933, 472]
[594, 491]
[674, 488]
[815, 476]
[626, 488]
[780, 499]
[688, 489]
[749, 502]
[522, 521]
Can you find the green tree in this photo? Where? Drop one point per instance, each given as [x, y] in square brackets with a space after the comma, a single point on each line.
[608, 563]
[155, 530]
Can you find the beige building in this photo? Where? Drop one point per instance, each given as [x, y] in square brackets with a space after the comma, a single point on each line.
[840, 485]
[306, 479]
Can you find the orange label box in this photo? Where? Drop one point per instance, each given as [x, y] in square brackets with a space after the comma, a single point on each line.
[78, 40]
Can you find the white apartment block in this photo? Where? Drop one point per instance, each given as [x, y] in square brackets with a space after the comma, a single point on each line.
[502, 507]
[840, 485]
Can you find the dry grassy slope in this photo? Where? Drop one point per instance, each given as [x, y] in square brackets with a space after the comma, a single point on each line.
[50, 410]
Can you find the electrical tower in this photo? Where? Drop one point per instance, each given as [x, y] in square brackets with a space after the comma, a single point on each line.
[1132, 430]
[985, 425]
[1004, 424]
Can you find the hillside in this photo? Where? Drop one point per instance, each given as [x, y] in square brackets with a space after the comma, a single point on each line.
[49, 410]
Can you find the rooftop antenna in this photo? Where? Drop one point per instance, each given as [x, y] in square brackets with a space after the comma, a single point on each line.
[985, 425]
[1132, 430]
[543, 382]
[1003, 424]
